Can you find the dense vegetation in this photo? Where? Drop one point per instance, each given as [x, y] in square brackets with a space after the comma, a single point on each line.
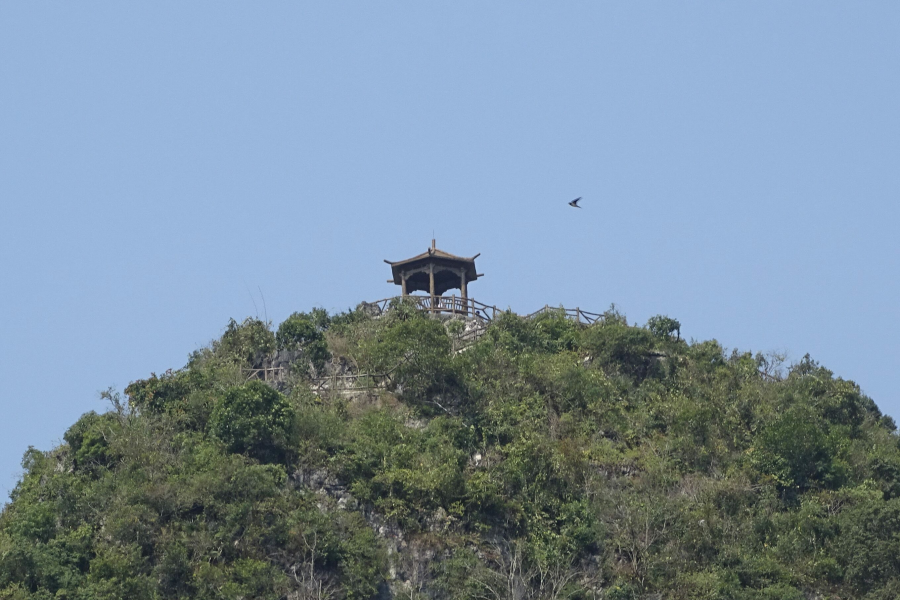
[547, 460]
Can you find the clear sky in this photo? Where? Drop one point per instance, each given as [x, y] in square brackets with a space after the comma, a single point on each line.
[167, 166]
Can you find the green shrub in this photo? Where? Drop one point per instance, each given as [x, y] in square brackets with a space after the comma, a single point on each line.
[247, 343]
[620, 348]
[157, 394]
[550, 331]
[305, 333]
[88, 440]
[664, 327]
[798, 452]
[413, 351]
[255, 420]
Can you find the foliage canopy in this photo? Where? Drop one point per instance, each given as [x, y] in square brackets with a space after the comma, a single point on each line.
[546, 460]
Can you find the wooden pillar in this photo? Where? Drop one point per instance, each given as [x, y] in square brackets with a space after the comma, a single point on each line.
[463, 290]
[431, 283]
[403, 284]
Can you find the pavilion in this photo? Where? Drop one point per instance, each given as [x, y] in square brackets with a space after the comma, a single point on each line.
[434, 272]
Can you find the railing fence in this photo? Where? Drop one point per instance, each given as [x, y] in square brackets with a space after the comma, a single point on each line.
[482, 314]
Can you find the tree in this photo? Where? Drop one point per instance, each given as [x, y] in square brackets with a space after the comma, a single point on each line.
[249, 342]
[664, 327]
[305, 333]
[255, 420]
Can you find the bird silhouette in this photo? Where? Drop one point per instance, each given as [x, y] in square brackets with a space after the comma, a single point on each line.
[575, 202]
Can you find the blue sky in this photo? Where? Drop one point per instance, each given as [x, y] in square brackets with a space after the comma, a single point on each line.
[168, 166]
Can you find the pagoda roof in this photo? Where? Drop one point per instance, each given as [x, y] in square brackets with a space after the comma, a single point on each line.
[432, 254]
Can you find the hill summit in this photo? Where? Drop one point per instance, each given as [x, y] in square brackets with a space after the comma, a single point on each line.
[392, 454]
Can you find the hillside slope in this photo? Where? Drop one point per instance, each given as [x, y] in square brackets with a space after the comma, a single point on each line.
[547, 460]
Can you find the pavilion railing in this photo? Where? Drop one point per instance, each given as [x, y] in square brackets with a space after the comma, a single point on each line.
[574, 314]
[450, 305]
[469, 307]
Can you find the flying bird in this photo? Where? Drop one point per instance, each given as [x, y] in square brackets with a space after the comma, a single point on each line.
[575, 202]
